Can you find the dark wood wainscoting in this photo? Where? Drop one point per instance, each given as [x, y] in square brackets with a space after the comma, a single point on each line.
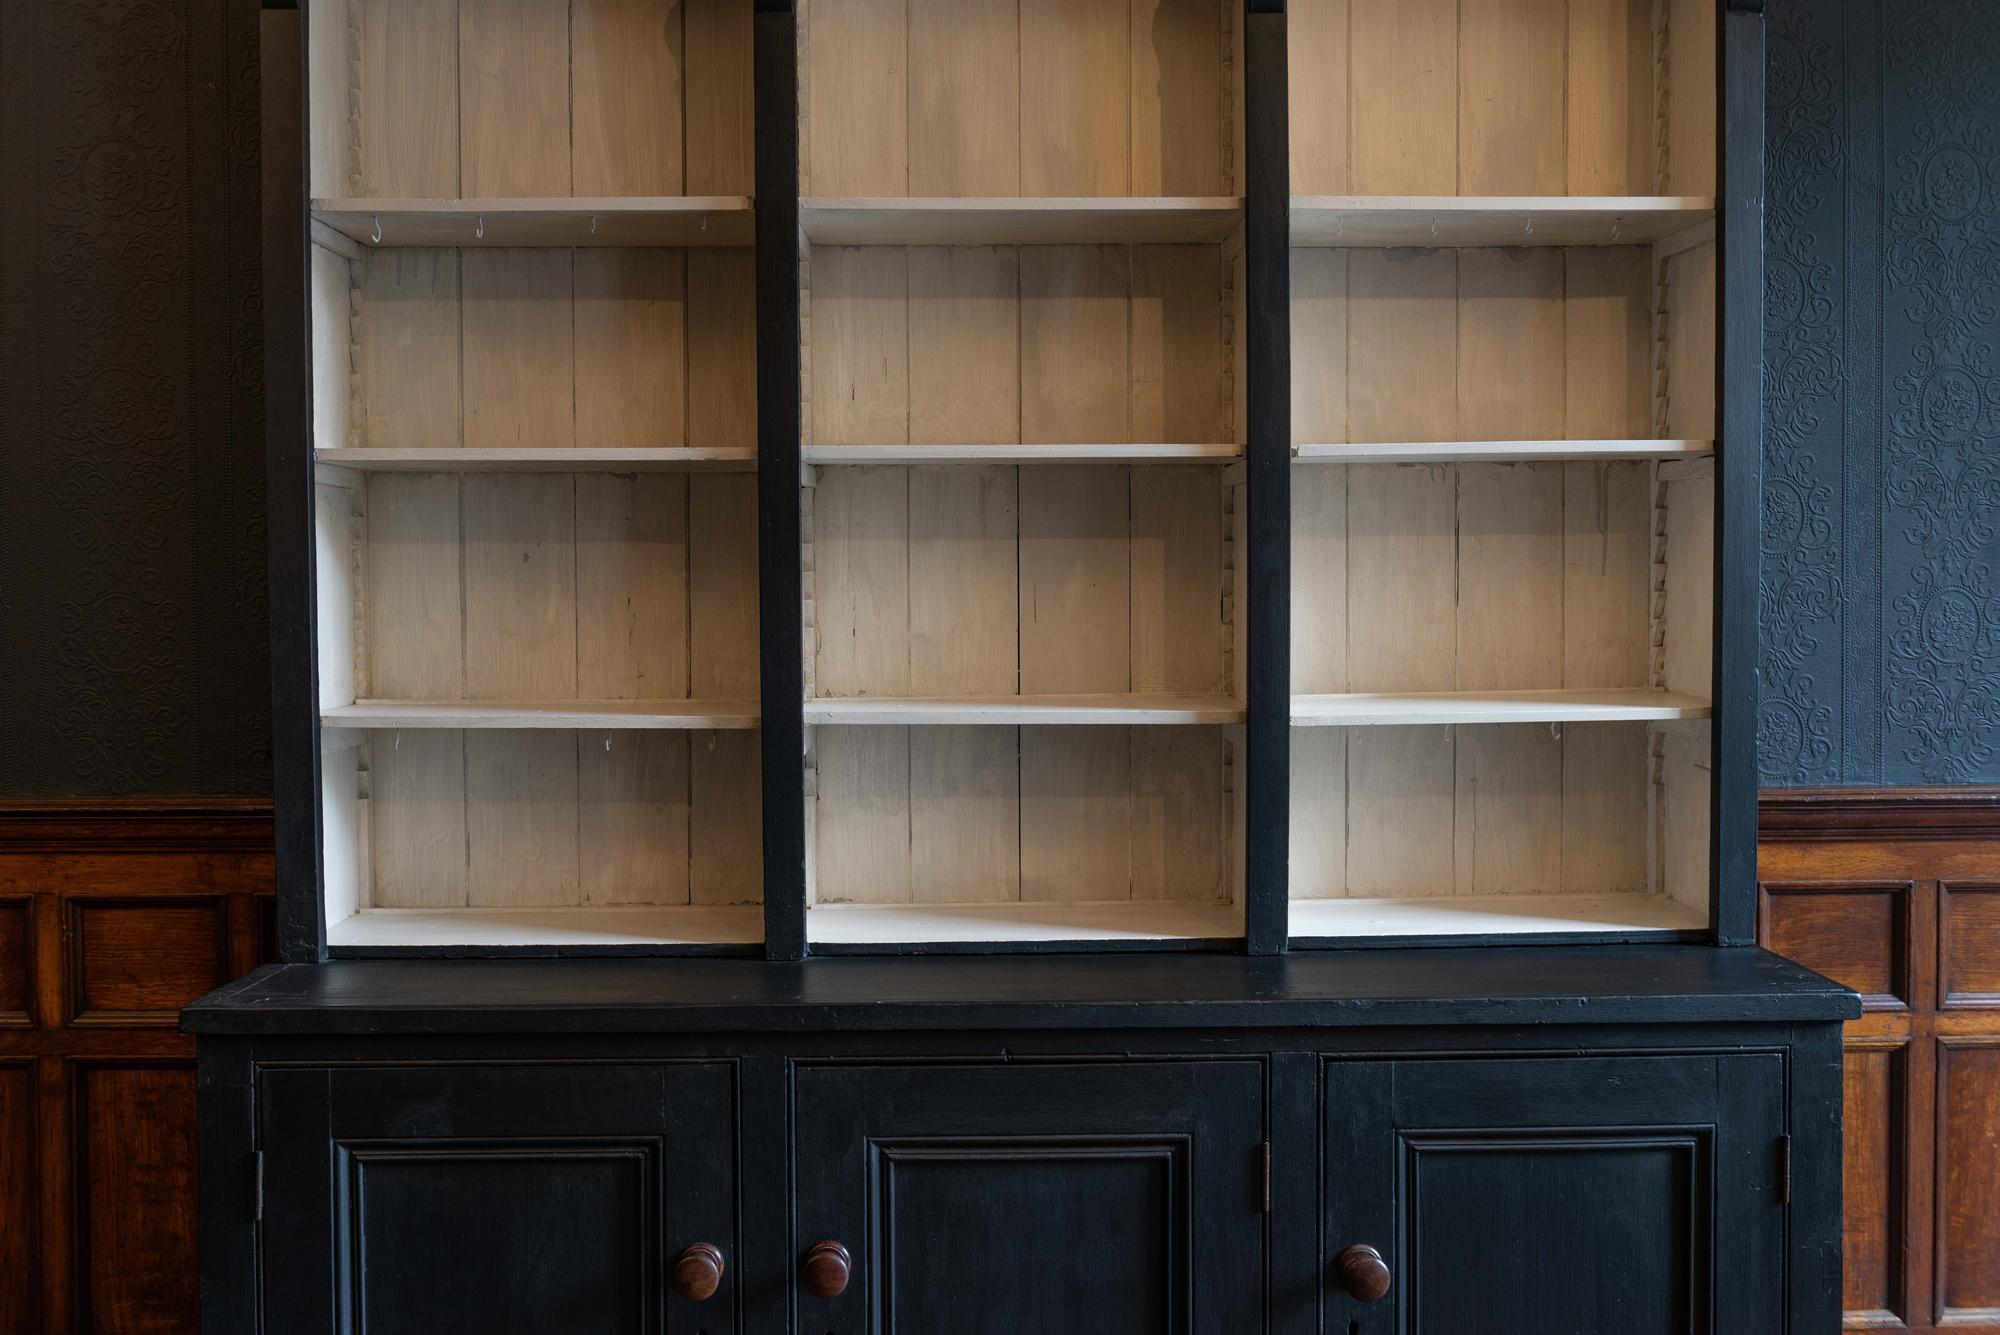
[113, 915]
[1897, 894]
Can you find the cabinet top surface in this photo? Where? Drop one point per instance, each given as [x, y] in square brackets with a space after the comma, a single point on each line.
[1368, 988]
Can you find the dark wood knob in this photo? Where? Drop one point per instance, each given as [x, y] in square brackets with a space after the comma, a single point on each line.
[825, 1270]
[1363, 1273]
[698, 1272]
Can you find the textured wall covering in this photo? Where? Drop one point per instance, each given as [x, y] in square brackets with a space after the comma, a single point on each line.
[133, 611]
[1880, 608]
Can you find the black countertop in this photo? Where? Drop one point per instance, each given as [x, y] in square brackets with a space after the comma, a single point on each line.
[1498, 985]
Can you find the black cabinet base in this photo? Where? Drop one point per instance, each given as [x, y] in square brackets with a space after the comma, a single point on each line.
[997, 1146]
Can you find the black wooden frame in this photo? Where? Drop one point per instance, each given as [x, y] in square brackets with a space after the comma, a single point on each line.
[1267, 778]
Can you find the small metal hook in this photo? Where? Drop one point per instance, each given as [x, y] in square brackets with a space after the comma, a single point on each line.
[593, 224]
[1617, 228]
[607, 743]
[1531, 225]
[399, 741]
[1434, 228]
[377, 237]
[479, 232]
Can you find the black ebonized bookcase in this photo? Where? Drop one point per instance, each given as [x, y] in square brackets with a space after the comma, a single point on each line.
[1215, 546]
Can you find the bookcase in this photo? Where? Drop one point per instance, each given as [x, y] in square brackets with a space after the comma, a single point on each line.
[1077, 475]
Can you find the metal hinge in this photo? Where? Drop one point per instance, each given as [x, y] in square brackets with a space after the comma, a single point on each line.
[1267, 1177]
[257, 1185]
[1784, 1170]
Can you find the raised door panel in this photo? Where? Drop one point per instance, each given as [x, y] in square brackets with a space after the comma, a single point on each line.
[1553, 1196]
[497, 1198]
[1074, 1197]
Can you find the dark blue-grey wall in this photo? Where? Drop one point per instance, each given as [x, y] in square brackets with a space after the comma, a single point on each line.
[1880, 612]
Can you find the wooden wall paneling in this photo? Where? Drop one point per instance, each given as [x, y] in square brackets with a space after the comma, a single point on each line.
[630, 329]
[137, 961]
[134, 1137]
[334, 284]
[415, 819]
[1689, 592]
[721, 336]
[1968, 944]
[1512, 130]
[114, 914]
[414, 597]
[1319, 315]
[20, 1171]
[1610, 101]
[1403, 113]
[514, 99]
[410, 353]
[1076, 98]
[1968, 1228]
[717, 80]
[1076, 635]
[964, 99]
[857, 100]
[1178, 101]
[1865, 885]
[410, 120]
[626, 93]
[333, 163]
[963, 640]
[1690, 291]
[339, 550]
[1692, 106]
[519, 331]
[1319, 72]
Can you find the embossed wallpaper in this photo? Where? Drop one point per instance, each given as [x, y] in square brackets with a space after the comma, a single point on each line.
[133, 609]
[1880, 611]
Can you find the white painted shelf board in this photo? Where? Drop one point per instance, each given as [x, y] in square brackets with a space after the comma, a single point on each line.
[1013, 922]
[1362, 710]
[587, 715]
[664, 220]
[1368, 221]
[1491, 915]
[895, 221]
[561, 459]
[1009, 711]
[851, 455]
[1501, 451]
[680, 924]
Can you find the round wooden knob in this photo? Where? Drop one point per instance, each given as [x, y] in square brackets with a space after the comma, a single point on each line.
[825, 1270]
[1363, 1273]
[698, 1272]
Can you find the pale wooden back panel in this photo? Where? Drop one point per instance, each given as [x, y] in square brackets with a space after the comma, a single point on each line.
[1019, 97]
[484, 99]
[1004, 580]
[1502, 97]
[1500, 576]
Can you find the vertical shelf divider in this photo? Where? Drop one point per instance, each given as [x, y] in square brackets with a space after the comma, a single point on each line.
[1739, 472]
[1268, 451]
[781, 617]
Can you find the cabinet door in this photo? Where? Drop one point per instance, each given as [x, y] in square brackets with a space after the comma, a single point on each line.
[1118, 1199]
[509, 1200]
[1557, 1196]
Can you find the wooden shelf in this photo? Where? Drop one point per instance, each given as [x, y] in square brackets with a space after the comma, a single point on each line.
[1367, 221]
[1490, 915]
[667, 220]
[556, 715]
[646, 459]
[681, 924]
[1502, 451]
[1362, 710]
[1012, 711]
[836, 455]
[1018, 221]
[1019, 922]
